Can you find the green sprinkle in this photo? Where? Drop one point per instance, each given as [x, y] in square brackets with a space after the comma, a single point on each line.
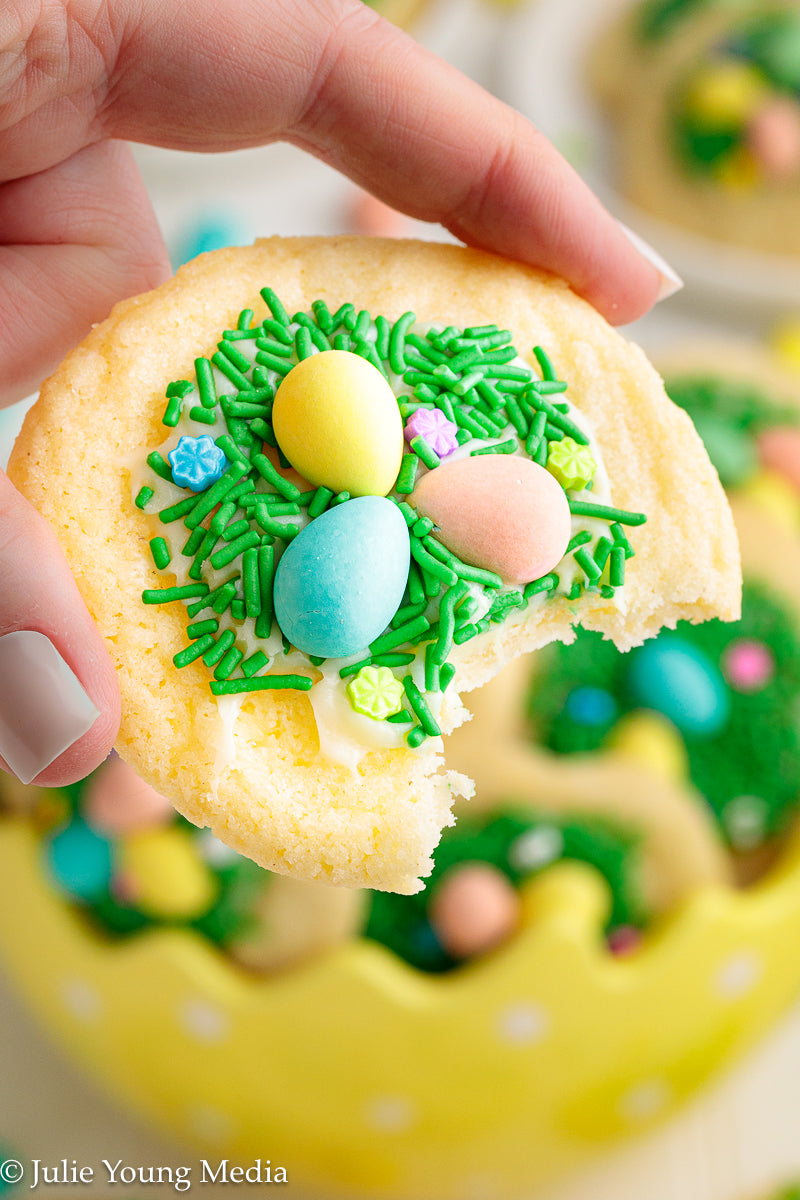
[340, 498]
[549, 387]
[366, 349]
[231, 687]
[549, 372]
[277, 330]
[250, 582]
[266, 571]
[602, 551]
[238, 609]
[607, 592]
[274, 305]
[408, 474]
[205, 416]
[321, 499]
[425, 452]
[281, 366]
[403, 717]
[270, 526]
[446, 673]
[407, 613]
[172, 413]
[616, 571]
[416, 736]
[245, 318]
[201, 628]
[272, 346]
[548, 583]
[303, 346]
[392, 660]
[235, 529]
[243, 408]
[272, 475]
[447, 622]
[179, 387]
[383, 332]
[411, 632]
[507, 447]
[344, 315]
[322, 314]
[236, 547]
[618, 534]
[580, 539]
[205, 383]
[430, 565]
[478, 575]
[219, 649]
[341, 342]
[195, 651]
[318, 338]
[229, 663]
[233, 355]
[422, 527]
[397, 342]
[231, 451]
[585, 561]
[431, 669]
[582, 508]
[416, 590]
[211, 599]
[144, 496]
[167, 595]
[255, 663]
[193, 541]
[160, 552]
[420, 708]
[156, 463]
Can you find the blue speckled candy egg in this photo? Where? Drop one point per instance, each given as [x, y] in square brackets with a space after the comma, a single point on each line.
[676, 679]
[341, 580]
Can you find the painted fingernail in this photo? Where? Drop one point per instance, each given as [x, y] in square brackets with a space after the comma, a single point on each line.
[671, 281]
[43, 706]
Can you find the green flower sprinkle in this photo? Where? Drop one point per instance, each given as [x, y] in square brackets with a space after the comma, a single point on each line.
[574, 466]
[375, 692]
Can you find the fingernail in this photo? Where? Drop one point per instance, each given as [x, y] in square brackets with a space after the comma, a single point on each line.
[671, 281]
[43, 706]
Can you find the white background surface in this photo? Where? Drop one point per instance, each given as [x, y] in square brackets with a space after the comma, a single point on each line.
[739, 1136]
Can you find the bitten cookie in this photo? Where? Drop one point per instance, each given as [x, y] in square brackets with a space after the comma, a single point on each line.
[314, 489]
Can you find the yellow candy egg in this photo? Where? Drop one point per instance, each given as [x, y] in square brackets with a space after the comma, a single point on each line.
[725, 94]
[651, 741]
[165, 874]
[785, 342]
[776, 498]
[337, 421]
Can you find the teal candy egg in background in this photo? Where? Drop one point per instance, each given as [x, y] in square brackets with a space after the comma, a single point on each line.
[676, 679]
[341, 580]
[80, 860]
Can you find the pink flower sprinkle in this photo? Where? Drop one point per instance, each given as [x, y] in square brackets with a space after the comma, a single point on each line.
[748, 665]
[433, 425]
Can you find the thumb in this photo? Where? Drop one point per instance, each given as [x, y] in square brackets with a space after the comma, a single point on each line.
[59, 702]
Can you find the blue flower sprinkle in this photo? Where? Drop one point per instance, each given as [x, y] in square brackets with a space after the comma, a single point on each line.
[197, 462]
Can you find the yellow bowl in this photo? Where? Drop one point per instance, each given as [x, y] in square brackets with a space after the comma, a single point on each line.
[360, 1075]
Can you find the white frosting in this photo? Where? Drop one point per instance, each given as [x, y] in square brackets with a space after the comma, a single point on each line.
[345, 736]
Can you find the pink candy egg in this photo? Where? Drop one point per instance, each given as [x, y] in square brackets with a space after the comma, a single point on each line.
[773, 138]
[748, 665]
[498, 511]
[779, 449]
[474, 908]
[119, 802]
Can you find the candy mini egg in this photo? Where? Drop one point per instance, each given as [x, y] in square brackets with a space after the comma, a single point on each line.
[500, 512]
[337, 421]
[474, 909]
[676, 679]
[341, 580]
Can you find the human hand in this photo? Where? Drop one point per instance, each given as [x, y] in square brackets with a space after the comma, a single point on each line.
[77, 233]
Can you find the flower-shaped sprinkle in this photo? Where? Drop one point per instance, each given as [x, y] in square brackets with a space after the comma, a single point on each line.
[572, 464]
[375, 692]
[197, 462]
[434, 427]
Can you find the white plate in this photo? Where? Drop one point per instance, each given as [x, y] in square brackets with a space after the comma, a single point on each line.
[544, 76]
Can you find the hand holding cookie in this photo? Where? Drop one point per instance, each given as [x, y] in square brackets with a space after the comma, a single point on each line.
[79, 234]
